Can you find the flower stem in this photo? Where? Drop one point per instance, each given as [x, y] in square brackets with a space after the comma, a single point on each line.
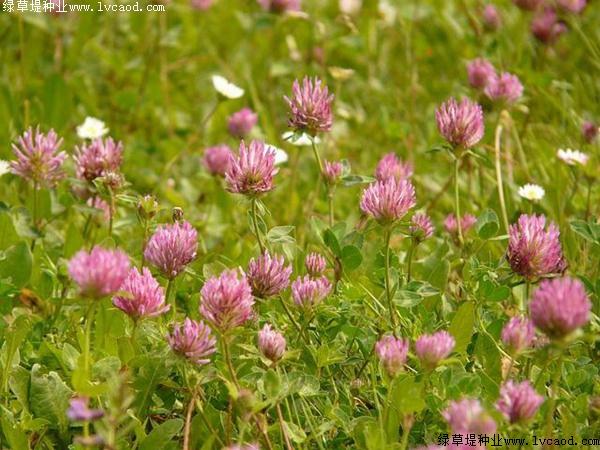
[36, 212]
[256, 227]
[168, 297]
[499, 178]
[411, 250]
[554, 387]
[286, 438]
[330, 193]
[388, 287]
[457, 202]
[87, 341]
[227, 356]
[318, 158]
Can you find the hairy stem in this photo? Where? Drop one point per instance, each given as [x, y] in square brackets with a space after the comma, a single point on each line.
[388, 287]
[499, 178]
[256, 227]
[457, 202]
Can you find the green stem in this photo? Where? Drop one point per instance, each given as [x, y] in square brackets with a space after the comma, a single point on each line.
[289, 314]
[168, 297]
[554, 387]
[406, 427]
[111, 211]
[256, 227]
[388, 287]
[87, 341]
[330, 192]
[134, 332]
[36, 212]
[499, 178]
[457, 201]
[411, 250]
[318, 158]
[227, 356]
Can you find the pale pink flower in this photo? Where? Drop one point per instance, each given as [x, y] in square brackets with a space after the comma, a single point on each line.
[217, 159]
[392, 353]
[38, 158]
[518, 334]
[253, 171]
[271, 343]
[172, 248]
[505, 87]
[241, 123]
[388, 201]
[461, 124]
[480, 72]
[391, 167]
[98, 159]
[315, 264]
[518, 402]
[192, 340]
[468, 416]
[432, 348]
[309, 292]
[268, 275]
[226, 301]
[310, 107]
[141, 295]
[100, 272]
[560, 306]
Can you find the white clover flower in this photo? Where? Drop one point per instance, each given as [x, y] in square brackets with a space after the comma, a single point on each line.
[280, 155]
[572, 157]
[226, 88]
[4, 167]
[350, 7]
[304, 140]
[532, 192]
[91, 128]
[387, 12]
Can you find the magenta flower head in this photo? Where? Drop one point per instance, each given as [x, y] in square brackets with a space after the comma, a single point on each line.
[518, 402]
[572, 6]
[529, 5]
[271, 343]
[534, 251]
[315, 264]
[421, 228]
[518, 335]
[388, 201]
[391, 167]
[100, 272]
[546, 27]
[98, 159]
[491, 17]
[241, 123]
[466, 222]
[253, 171]
[559, 307]
[480, 73]
[38, 158]
[309, 292]
[171, 248]
[141, 295]
[392, 353]
[310, 107]
[79, 410]
[468, 416]
[461, 124]
[192, 340]
[589, 131]
[226, 301]
[506, 88]
[280, 6]
[217, 160]
[268, 276]
[332, 172]
[432, 348]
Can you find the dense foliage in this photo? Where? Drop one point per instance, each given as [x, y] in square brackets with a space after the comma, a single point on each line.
[415, 263]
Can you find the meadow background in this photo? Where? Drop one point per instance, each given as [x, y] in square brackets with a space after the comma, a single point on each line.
[147, 75]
